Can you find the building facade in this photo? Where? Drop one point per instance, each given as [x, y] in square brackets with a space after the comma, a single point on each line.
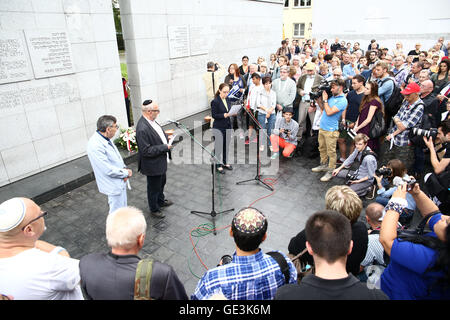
[297, 19]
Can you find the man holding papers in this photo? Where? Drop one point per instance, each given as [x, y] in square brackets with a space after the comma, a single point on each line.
[154, 153]
[221, 113]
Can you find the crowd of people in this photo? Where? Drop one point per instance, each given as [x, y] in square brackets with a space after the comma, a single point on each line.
[380, 120]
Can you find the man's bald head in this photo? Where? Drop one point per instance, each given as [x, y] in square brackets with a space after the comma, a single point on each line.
[426, 87]
[374, 212]
[15, 214]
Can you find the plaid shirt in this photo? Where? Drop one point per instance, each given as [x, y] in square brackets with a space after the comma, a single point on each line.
[409, 115]
[255, 277]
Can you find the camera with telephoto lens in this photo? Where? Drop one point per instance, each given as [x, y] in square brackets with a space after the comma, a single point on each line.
[385, 172]
[409, 181]
[425, 133]
[323, 86]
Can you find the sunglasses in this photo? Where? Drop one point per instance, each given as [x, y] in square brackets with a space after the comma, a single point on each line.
[43, 214]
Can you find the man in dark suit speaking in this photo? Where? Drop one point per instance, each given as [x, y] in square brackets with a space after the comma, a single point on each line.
[153, 152]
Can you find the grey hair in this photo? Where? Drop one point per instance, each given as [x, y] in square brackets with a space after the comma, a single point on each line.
[104, 122]
[124, 226]
[147, 107]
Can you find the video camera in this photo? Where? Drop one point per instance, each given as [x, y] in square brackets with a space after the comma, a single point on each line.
[323, 86]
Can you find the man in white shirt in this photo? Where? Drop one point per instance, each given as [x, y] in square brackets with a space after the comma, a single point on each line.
[31, 269]
[251, 106]
[306, 84]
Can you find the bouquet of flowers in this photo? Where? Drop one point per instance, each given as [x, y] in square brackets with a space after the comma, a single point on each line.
[127, 139]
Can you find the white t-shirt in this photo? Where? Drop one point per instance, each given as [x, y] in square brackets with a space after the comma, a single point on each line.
[37, 275]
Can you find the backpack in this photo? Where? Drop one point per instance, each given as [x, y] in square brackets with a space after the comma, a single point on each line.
[142, 279]
[424, 123]
[393, 104]
[377, 125]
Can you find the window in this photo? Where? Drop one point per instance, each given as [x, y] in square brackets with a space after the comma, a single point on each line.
[286, 3]
[302, 3]
[299, 30]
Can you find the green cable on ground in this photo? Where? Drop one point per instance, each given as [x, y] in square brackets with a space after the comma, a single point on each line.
[199, 231]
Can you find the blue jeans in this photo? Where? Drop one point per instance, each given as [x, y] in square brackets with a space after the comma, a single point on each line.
[270, 123]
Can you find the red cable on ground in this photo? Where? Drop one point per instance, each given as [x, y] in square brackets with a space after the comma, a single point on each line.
[270, 181]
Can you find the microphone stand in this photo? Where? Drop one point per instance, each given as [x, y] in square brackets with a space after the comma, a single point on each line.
[257, 178]
[214, 162]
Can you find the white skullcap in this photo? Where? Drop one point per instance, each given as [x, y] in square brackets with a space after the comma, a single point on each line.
[12, 212]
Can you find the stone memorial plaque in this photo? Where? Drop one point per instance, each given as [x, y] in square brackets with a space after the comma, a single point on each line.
[50, 52]
[199, 40]
[178, 41]
[9, 100]
[14, 60]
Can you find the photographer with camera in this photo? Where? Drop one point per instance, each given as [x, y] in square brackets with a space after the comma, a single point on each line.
[419, 263]
[397, 144]
[437, 182]
[284, 135]
[388, 179]
[329, 126]
[361, 166]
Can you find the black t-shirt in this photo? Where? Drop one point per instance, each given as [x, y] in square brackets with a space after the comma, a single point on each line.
[354, 101]
[360, 240]
[315, 288]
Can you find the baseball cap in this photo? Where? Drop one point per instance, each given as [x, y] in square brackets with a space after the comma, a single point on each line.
[411, 88]
[12, 213]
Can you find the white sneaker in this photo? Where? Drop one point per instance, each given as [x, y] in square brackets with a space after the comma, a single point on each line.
[327, 177]
[321, 168]
[261, 148]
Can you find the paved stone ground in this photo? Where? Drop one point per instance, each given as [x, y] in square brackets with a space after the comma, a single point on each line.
[76, 220]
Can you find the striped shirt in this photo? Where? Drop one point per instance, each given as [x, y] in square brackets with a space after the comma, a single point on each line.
[374, 252]
[255, 277]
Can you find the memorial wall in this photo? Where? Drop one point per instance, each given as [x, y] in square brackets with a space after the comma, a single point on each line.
[59, 71]
[168, 44]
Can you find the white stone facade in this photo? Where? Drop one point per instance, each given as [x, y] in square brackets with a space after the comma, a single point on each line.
[47, 121]
[220, 31]
[407, 21]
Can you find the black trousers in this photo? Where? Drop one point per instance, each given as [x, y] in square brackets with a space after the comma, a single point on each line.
[222, 139]
[155, 191]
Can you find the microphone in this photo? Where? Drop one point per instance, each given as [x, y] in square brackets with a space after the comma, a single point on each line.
[174, 122]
